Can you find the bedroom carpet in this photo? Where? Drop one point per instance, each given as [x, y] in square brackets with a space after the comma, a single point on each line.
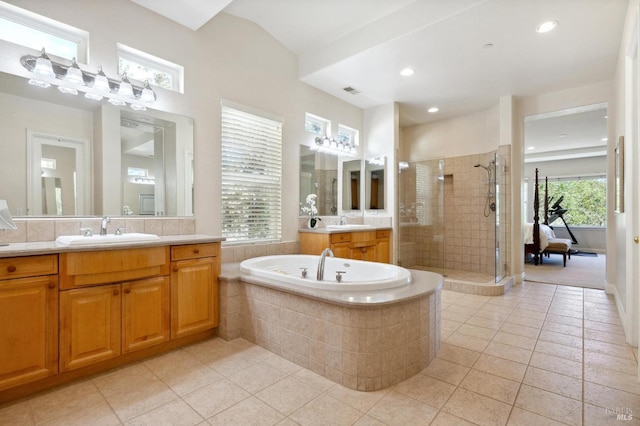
[581, 271]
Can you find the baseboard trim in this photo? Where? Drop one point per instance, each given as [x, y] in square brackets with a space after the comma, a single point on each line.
[613, 290]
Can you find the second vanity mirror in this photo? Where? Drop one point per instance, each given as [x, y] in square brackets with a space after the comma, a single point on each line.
[351, 181]
[374, 178]
[63, 155]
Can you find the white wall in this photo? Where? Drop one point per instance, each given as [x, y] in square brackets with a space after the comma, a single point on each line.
[475, 133]
[618, 281]
[228, 58]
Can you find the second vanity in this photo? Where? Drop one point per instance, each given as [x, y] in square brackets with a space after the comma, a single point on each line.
[372, 244]
[68, 312]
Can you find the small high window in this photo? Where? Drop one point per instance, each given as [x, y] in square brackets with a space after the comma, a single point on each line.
[317, 125]
[348, 135]
[143, 67]
[28, 29]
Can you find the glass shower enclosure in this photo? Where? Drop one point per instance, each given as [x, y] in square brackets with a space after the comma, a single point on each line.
[449, 217]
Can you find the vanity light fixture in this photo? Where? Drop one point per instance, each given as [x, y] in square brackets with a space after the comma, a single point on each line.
[43, 66]
[333, 146]
[70, 79]
[126, 89]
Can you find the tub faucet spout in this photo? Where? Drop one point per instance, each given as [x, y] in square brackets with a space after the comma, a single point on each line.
[325, 252]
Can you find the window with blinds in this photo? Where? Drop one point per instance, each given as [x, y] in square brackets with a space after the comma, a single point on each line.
[251, 177]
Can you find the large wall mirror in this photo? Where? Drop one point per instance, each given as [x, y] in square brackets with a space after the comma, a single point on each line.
[64, 155]
[374, 178]
[319, 175]
[351, 181]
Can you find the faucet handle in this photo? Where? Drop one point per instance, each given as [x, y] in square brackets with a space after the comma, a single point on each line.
[339, 275]
[304, 272]
[86, 232]
[119, 231]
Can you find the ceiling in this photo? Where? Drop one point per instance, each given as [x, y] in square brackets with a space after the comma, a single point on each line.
[466, 53]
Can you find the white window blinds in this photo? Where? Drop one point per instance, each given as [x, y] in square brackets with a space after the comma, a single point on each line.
[251, 177]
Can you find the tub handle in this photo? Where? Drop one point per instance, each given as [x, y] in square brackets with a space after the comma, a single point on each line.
[339, 275]
[304, 272]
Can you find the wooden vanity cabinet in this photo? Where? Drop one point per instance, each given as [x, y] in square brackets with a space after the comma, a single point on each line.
[101, 319]
[145, 313]
[194, 288]
[361, 245]
[28, 319]
[90, 320]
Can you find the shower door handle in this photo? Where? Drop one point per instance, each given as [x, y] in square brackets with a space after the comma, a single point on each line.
[636, 239]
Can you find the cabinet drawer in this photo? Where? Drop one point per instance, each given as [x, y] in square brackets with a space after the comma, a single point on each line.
[341, 238]
[108, 266]
[383, 233]
[28, 266]
[194, 251]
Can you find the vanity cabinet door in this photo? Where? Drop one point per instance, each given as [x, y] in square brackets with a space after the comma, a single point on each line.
[367, 252]
[89, 325]
[341, 250]
[194, 296]
[145, 313]
[28, 330]
[383, 251]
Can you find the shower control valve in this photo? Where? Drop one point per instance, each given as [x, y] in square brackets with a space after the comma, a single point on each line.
[339, 275]
[304, 272]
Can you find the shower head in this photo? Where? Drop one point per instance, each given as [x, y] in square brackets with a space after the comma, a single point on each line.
[480, 165]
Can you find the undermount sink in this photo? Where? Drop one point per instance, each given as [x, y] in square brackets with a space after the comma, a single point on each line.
[348, 226]
[79, 240]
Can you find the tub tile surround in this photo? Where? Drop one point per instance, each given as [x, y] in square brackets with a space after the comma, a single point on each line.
[48, 229]
[234, 383]
[362, 348]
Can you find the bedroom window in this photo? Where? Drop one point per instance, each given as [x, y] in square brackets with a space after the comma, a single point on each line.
[251, 176]
[143, 67]
[584, 198]
[28, 29]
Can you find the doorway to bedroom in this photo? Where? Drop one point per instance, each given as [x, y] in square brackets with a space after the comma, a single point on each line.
[569, 150]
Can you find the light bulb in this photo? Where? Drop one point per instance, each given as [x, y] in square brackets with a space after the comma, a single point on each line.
[101, 82]
[74, 74]
[43, 66]
[147, 95]
[117, 102]
[126, 89]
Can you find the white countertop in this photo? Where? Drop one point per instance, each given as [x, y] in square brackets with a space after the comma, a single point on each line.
[51, 247]
[339, 231]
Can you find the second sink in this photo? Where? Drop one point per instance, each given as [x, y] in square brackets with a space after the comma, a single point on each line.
[77, 240]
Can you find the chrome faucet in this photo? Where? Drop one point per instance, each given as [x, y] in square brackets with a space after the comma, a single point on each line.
[325, 252]
[103, 226]
[343, 220]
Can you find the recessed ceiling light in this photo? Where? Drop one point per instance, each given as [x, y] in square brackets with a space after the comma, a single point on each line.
[545, 27]
[433, 110]
[563, 135]
[531, 148]
[604, 139]
[407, 72]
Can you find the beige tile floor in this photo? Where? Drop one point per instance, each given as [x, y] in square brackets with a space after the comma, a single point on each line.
[540, 355]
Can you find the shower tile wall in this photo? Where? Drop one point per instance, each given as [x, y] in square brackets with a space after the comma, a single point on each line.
[327, 191]
[442, 222]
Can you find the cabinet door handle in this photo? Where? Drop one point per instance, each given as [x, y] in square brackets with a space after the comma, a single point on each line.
[11, 268]
[127, 290]
[52, 286]
[175, 269]
[196, 251]
[116, 292]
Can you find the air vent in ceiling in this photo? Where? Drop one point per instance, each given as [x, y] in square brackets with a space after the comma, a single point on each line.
[351, 90]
